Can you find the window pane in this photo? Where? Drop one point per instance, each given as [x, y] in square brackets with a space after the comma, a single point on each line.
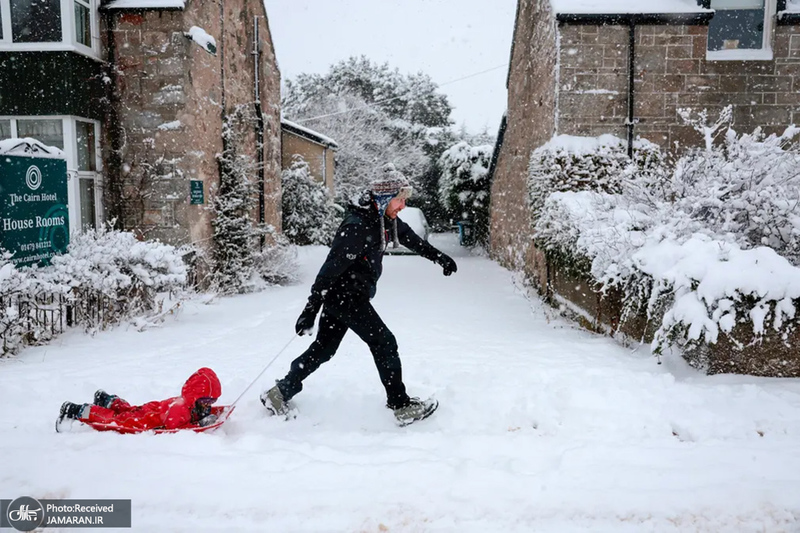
[36, 21]
[49, 132]
[5, 129]
[737, 25]
[87, 159]
[87, 203]
[83, 32]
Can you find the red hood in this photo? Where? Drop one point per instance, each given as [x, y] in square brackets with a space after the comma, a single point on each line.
[201, 384]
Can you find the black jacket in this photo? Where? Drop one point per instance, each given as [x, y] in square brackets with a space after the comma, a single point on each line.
[355, 261]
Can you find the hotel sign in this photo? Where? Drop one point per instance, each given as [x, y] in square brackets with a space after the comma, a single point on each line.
[34, 220]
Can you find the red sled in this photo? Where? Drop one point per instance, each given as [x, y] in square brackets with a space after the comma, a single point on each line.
[222, 412]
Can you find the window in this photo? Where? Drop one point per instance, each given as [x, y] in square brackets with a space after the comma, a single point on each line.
[36, 21]
[83, 23]
[49, 131]
[87, 157]
[5, 129]
[740, 29]
[87, 203]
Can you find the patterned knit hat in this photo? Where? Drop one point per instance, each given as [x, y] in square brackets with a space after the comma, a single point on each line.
[391, 184]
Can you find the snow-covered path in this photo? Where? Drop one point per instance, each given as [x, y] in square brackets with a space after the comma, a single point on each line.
[542, 427]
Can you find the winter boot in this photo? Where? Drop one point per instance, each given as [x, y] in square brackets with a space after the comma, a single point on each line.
[273, 401]
[415, 410]
[104, 399]
[69, 410]
[276, 405]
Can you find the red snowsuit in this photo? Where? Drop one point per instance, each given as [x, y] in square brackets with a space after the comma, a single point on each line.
[172, 413]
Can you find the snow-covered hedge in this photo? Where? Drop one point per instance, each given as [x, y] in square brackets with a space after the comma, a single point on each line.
[713, 246]
[570, 163]
[105, 277]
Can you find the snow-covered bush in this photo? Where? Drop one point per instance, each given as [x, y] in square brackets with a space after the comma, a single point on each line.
[276, 263]
[746, 187]
[714, 246]
[464, 186]
[105, 277]
[570, 163]
[116, 265]
[309, 214]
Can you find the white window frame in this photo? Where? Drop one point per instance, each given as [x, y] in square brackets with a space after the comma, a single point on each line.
[762, 54]
[5, 13]
[68, 40]
[69, 131]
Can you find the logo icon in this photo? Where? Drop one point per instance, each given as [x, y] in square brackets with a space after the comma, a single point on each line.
[25, 513]
[33, 178]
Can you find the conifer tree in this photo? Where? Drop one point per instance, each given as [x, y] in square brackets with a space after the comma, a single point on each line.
[309, 214]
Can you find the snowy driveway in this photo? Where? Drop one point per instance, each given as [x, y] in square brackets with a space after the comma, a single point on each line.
[542, 427]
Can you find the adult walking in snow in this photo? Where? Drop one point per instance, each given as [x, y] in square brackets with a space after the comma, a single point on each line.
[343, 289]
[110, 412]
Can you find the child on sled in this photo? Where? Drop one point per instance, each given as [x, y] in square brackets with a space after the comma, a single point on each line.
[191, 409]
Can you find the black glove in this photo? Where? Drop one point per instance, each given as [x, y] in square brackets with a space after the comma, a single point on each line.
[305, 324]
[448, 265]
[207, 420]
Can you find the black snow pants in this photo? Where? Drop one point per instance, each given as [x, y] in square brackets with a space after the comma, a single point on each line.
[338, 315]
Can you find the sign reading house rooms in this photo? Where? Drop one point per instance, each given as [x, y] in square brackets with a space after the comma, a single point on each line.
[34, 220]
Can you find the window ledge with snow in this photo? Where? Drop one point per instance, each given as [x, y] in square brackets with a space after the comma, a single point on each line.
[764, 54]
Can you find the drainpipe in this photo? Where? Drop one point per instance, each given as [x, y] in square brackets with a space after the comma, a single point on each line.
[631, 121]
[259, 126]
[113, 165]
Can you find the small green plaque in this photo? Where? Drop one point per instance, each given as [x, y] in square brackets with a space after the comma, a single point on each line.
[197, 196]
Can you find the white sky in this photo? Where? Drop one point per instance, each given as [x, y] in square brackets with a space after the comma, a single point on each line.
[447, 39]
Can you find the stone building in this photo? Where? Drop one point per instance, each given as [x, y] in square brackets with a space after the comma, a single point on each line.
[315, 148]
[589, 67]
[136, 92]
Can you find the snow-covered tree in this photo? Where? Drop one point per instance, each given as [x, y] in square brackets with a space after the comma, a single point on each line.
[376, 115]
[464, 186]
[411, 98]
[236, 236]
[309, 214]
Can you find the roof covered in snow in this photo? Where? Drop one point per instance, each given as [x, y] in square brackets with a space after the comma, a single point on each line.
[585, 7]
[28, 147]
[145, 4]
[307, 133]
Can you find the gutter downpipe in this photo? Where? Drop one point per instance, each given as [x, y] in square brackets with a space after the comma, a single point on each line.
[114, 163]
[259, 128]
[631, 121]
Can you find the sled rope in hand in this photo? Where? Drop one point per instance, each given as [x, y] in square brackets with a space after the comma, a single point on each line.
[262, 372]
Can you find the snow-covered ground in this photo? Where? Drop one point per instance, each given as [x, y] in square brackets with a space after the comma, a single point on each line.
[542, 427]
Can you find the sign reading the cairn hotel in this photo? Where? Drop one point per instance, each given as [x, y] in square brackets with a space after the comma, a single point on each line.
[34, 221]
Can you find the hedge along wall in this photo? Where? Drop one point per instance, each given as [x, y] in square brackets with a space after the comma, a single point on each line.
[642, 254]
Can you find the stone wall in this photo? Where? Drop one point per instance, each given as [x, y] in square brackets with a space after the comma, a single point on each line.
[671, 72]
[165, 127]
[531, 106]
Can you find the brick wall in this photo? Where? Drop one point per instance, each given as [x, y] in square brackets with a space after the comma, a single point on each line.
[531, 105]
[671, 72]
[593, 80]
[167, 113]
